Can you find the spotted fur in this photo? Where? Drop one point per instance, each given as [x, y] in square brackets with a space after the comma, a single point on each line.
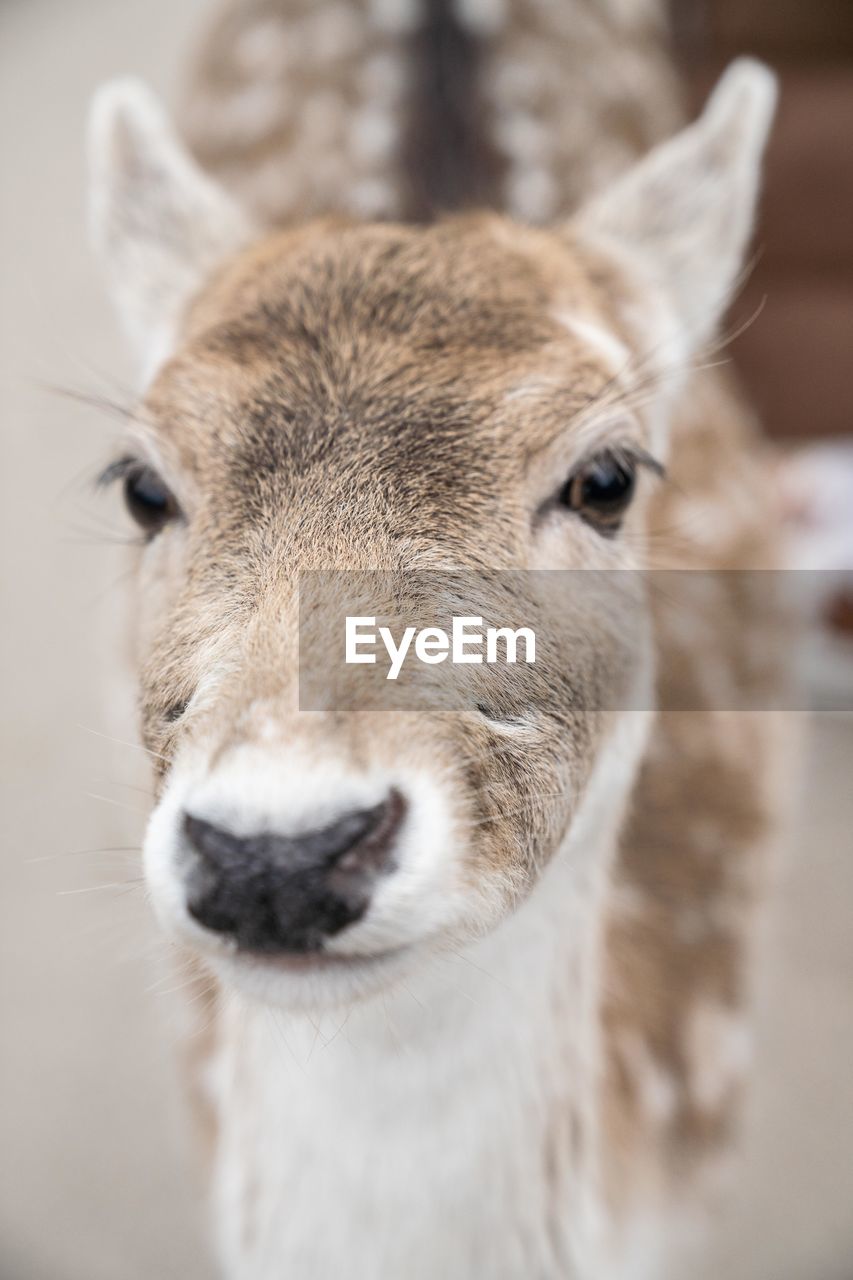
[400, 109]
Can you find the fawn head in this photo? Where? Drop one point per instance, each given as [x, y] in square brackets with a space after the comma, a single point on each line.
[339, 396]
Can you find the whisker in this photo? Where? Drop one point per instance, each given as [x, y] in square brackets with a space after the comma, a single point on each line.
[92, 400]
[97, 888]
[479, 968]
[82, 853]
[121, 742]
[119, 804]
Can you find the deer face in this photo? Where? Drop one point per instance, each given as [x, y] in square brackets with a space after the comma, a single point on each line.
[464, 395]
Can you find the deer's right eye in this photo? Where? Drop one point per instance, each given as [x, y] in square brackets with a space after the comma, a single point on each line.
[149, 501]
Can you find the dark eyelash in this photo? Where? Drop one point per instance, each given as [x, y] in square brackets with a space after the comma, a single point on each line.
[639, 457]
[646, 460]
[116, 471]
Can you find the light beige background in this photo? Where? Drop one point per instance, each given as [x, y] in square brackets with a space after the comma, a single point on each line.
[95, 1179]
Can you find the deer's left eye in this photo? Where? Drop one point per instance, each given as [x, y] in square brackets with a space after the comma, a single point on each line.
[601, 490]
[149, 501]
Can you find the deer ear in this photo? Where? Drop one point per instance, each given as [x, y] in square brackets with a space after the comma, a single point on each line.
[684, 214]
[158, 223]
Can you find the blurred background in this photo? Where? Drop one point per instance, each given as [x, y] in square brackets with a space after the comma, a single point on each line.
[96, 1179]
[797, 360]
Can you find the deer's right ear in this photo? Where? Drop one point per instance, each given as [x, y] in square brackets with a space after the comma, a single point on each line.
[158, 223]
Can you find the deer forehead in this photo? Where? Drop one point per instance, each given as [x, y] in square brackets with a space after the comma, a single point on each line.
[385, 353]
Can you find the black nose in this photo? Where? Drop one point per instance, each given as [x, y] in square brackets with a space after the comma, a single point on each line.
[288, 893]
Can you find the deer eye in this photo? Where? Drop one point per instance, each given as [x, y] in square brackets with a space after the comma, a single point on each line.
[601, 490]
[150, 503]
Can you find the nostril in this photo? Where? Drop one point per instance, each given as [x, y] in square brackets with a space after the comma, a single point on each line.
[368, 843]
[277, 892]
[215, 845]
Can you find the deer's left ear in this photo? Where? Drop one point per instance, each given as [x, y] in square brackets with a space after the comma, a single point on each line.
[684, 214]
[158, 223]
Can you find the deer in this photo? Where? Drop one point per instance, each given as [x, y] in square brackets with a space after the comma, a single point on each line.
[435, 284]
